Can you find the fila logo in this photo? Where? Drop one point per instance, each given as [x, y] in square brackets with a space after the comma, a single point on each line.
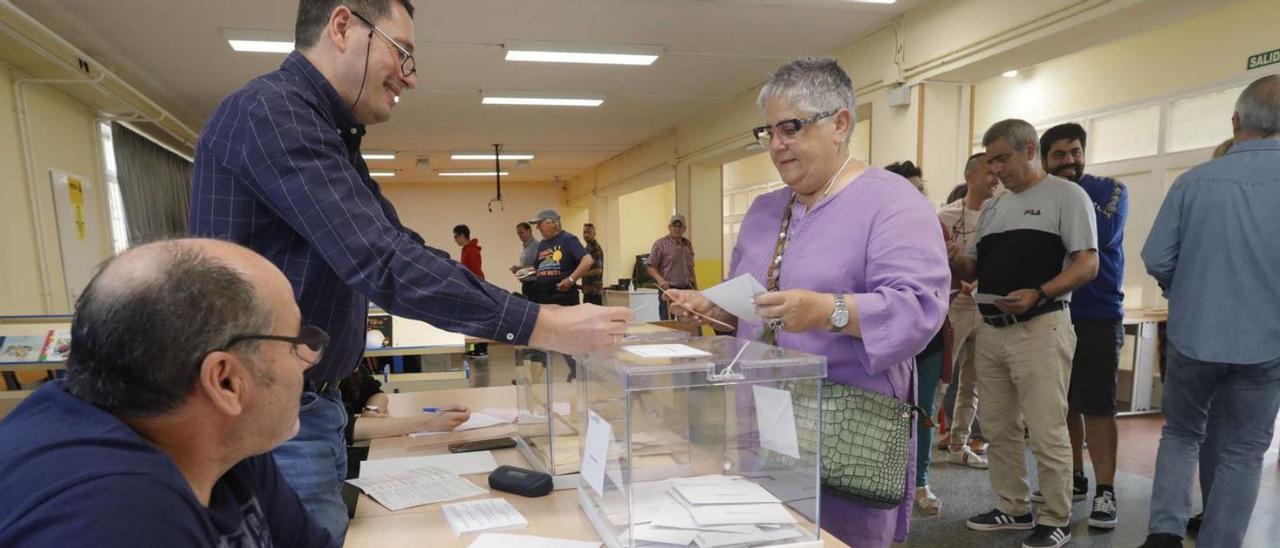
[1035, 212]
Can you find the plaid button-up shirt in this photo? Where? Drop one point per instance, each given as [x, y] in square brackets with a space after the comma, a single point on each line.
[278, 170]
[674, 260]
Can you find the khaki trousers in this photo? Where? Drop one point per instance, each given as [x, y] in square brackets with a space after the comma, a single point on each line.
[1023, 374]
[964, 326]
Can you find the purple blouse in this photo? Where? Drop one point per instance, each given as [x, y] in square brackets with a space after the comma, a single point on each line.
[878, 239]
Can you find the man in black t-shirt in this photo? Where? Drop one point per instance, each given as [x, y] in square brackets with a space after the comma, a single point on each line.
[562, 261]
[186, 369]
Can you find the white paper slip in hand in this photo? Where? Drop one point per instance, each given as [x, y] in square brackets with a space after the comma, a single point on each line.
[737, 296]
[478, 420]
[666, 351]
[482, 515]
[988, 298]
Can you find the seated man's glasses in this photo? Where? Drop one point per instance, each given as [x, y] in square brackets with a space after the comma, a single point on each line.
[308, 346]
[786, 130]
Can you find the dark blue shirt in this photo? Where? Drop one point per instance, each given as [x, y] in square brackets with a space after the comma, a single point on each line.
[558, 257]
[1102, 298]
[75, 475]
[278, 170]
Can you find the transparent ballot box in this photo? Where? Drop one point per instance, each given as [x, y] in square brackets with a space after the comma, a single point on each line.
[705, 442]
[548, 401]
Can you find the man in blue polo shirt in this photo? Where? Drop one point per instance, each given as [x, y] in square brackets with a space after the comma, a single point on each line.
[1097, 315]
[278, 170]
[186, 365]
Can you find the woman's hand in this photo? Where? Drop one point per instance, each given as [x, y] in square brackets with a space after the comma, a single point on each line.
[447, 419]
[687, 304]
[376, 406]
[799, 309]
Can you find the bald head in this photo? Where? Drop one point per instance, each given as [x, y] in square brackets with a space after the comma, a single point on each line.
[147, 319]
[1258, 109]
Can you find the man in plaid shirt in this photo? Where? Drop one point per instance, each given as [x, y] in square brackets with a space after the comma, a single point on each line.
[671, 262]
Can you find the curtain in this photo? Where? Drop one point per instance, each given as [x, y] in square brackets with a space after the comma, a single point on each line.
[155, 185]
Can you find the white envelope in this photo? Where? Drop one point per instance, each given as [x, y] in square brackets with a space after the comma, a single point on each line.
[776, 420]
[740, 514]
[737, 296]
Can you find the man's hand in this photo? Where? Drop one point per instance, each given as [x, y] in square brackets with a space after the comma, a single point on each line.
[799, 309]
[564, 285]
[581, 328]
[1018, 302]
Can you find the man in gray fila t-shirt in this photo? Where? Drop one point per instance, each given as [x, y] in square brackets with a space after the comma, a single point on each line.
[1035, 244]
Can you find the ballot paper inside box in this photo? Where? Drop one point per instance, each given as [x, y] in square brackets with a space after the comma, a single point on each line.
[548, 401]
[699, 443]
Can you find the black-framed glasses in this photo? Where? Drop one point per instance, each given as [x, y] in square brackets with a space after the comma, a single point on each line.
[786, 130]
[408, 67]
[308, 346]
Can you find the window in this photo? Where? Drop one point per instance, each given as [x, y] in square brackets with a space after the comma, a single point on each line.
[1126, 134]
[1202, 121]
[115, 204]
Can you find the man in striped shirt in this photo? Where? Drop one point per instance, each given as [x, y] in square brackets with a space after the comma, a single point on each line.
[671, 262]
[278, 170]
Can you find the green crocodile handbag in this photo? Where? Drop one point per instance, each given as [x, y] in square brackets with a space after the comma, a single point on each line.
[866, 440]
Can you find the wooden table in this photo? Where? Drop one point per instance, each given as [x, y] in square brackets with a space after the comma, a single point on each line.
[556, 515]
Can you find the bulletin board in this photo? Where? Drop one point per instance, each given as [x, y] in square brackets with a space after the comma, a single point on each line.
[75, 201]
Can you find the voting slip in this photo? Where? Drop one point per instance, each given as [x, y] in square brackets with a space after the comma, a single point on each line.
[737, 296]
[482, 515]
[665, 351]
[417, 487]
[478, 462]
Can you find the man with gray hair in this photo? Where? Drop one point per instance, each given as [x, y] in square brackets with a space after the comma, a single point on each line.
[186, 369]
[1210, 253]
[1035, 245]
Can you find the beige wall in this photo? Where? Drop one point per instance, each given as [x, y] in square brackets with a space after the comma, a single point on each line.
[63, 137]
[643, 218]
[1194, 52]
[433, 209]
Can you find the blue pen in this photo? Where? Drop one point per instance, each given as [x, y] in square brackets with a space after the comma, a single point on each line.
[431, 410]
[386, 373]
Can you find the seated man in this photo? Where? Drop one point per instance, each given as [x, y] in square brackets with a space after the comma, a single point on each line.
[185, 370]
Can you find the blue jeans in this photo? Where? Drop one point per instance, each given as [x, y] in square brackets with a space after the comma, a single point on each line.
[1245, 399]
[314, 462]
[928, 376]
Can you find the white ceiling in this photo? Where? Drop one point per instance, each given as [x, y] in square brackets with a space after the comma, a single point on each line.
[174, 51]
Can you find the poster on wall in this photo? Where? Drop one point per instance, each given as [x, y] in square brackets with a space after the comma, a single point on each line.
[80, 230]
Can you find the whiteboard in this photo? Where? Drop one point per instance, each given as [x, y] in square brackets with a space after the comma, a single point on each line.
[80, 235]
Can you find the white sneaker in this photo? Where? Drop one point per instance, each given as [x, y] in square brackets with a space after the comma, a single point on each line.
[967, 457]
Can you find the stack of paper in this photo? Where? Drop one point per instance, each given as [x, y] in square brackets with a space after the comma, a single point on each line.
[479, 419]
[482, 515]
[416, 487]
[706, 511]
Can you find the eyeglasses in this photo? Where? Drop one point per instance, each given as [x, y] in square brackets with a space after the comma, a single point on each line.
[308, 346]
[407, 65]
[786, 130]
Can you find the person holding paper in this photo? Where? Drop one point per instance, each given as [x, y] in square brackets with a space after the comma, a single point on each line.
[368, 417]
[186, 369]
[861, 276]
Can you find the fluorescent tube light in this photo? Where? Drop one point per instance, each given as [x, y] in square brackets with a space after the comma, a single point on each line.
[481, 155]
[540, 99]
[382, 174]
[259, 41]
[470, 173]
[560, 52]
[378, 155]
[1009, 73]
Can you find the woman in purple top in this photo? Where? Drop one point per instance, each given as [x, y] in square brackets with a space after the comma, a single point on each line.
[862, 278]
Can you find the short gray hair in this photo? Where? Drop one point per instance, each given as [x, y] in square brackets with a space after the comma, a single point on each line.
[972, 163]
[1259, 106]
[1018, 133]
[812, 84]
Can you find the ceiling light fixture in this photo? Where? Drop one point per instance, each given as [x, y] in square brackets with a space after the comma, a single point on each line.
[602, 54]
[259, 41]
[371, 155]
[481, 155]
[1009, 73]
[471, 173]
[542, 99]
[382, 174]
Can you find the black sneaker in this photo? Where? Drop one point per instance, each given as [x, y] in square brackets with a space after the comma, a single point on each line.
[1047, 536]
[996, 520]
[1104, 511]
[1079, 490]
[1162, 540]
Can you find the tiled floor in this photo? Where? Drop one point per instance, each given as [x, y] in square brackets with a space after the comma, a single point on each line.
[965, 492]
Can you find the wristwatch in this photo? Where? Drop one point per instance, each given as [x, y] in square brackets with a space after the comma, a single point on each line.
[571, 280]
[1043, 296]
[840, 317]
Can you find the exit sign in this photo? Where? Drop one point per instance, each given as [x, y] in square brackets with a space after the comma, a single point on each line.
[1263, 59]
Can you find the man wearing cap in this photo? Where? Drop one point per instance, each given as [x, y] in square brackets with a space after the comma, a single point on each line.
[562, 261]
[671, 262]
